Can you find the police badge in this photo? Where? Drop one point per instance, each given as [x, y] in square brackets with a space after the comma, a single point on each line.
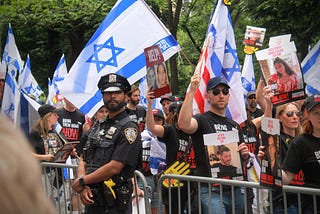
[131, 134]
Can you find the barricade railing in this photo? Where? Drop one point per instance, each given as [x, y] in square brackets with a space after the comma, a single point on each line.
[262, 206]
[57, 179]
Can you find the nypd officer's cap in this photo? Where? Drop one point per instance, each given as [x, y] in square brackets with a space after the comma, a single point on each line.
[113, 82]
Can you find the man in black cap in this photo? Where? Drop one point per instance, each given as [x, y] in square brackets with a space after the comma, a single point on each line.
[110, 154]
[254, 112]
[165, 101]
[212, 121]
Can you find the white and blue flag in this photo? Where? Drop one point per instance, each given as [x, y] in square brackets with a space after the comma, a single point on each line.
[247, 76]
[59, 74]
[116, 47]
[219, 58]
[28, 84]
[11, 55]
[310, 67]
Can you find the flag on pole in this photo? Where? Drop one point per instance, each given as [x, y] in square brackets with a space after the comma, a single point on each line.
[219, 58]
[28, 84]
[11, 97]
[11, 55]
[247, 76]
[310, 67]
[59, 74]
[116, 47]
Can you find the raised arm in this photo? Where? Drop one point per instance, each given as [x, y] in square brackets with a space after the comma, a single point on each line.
[156, 130]
[186, 122]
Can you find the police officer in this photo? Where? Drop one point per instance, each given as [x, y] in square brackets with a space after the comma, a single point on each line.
[110, 154]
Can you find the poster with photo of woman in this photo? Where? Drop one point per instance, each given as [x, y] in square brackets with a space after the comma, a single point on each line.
[281, 70]
[271, 176]
[157, 75]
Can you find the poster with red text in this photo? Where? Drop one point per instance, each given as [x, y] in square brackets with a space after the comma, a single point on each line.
[157, 75]
[282, 72]
[223, 156]
[271, 175]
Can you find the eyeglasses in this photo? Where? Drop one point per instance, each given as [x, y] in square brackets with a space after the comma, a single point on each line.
[252, 97]
[297, 113]
[216, 91]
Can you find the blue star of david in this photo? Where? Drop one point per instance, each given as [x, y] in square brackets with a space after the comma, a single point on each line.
[9, 111]
[231, 54]
[29, 89]
[112, 61]
[246, 84]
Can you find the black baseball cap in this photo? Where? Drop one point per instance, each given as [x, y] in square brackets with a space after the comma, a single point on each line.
[166, 97]
[213, 82]
[312, 102]
[113, 82]
[45, 109]
[175, 106]
[157, 113]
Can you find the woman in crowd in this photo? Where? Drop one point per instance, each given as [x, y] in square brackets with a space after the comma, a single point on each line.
[43, 137]
[101, 114]
[304, 153]
[178, 145]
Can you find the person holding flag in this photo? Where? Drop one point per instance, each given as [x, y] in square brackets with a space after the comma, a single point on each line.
[212, 121]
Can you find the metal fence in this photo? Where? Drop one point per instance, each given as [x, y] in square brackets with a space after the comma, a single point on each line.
[57, 179]
[194, 183]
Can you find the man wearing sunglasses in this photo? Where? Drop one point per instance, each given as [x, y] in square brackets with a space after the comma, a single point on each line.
[254, 112]
[212, 121]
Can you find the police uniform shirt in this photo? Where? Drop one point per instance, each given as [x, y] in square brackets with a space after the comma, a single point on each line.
[209, 122]
[128, 144]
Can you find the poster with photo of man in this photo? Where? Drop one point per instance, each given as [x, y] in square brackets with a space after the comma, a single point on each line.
[223, 156]
[271, 176]
[157, 75]
[281, 70]
[254, 36]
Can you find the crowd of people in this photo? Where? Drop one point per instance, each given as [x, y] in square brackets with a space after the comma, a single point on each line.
[123, 137]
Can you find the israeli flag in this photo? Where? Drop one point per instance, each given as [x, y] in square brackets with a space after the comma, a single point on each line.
[59, 74]
[116, 47]
[11, 55]
[310, 67]
[28, 84]
[247, 76]
[11, 97]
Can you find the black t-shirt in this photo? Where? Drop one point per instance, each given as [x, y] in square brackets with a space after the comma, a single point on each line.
[170, 138]
[257, 113]
[71, 123]
[304, 153]
[138, 116]
[209, 122]
[251, 138]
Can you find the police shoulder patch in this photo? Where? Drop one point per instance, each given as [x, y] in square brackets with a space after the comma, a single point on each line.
[131, 134]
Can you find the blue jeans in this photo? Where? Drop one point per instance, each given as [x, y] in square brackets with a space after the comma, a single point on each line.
[226, 207]
[291, 210]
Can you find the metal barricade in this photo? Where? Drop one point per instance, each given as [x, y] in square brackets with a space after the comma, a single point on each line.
[58, 185]
[198, 182]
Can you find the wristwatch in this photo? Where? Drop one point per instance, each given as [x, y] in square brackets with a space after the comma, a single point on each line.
[81, 181]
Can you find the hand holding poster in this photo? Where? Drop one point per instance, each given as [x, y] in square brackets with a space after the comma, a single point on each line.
[281, 70]
[157, 75]
[223, 155]
[271, 163]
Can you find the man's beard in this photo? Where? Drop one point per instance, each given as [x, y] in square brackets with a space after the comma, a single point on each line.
[135, 103]
[253, 105]
[114, 108]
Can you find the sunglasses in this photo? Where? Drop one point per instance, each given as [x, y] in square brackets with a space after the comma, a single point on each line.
[216, 91]
[252, 97]
[297, 113]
